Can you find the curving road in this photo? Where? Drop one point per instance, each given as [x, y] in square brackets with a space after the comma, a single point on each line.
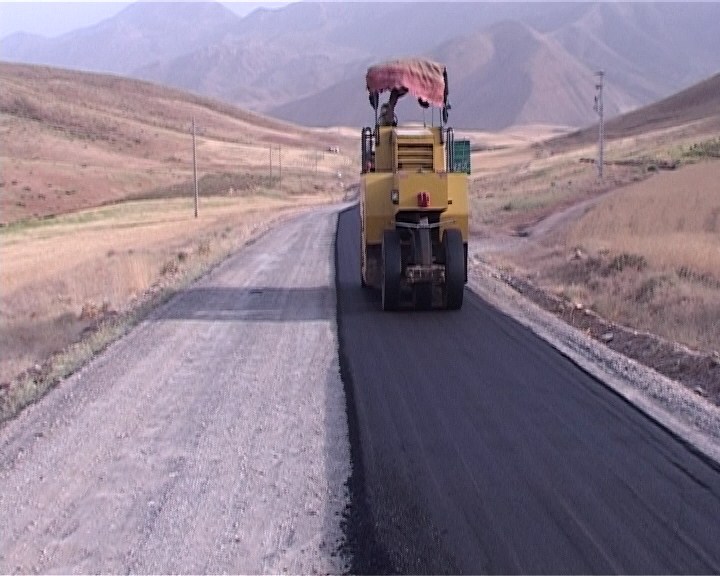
[477, 447]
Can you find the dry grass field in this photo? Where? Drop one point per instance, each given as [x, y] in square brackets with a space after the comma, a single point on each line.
[648, 256]
[97, 212]
[641, 247]
[60, 277]
[520, 183]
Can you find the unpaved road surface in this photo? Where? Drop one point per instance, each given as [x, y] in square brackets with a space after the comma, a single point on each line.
[211, 439]
[481, 449]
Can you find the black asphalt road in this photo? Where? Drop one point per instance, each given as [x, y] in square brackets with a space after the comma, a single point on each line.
[477, 448]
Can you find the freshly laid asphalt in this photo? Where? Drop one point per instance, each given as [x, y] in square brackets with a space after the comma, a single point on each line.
[478, 448]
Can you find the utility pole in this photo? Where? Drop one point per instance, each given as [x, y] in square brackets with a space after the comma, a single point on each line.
[601, 127]
[195, 167]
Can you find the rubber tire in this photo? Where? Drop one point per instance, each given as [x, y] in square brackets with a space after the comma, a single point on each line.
[454, 288]
[391, 270]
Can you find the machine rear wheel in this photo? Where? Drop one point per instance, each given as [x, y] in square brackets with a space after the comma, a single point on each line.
[391, 270]
[454, 269]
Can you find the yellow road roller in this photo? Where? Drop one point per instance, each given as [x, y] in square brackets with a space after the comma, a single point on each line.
[414, 193]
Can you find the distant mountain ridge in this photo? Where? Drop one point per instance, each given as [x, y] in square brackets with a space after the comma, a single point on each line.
[141, 33]
[509, 63]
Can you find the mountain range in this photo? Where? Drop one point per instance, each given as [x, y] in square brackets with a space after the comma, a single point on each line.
[508, 63]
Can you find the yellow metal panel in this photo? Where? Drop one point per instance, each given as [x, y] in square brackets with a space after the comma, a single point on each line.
[385, 150]
[448, 194]
[377, 208]
[458, 205]
[410, 184]
[448, 191]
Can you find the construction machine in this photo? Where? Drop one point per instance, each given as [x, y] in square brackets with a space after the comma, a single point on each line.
[414, 193]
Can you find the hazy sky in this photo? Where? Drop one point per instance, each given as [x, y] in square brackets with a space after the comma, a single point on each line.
[55, 18]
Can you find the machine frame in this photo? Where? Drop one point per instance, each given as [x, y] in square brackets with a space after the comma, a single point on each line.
[413, 203]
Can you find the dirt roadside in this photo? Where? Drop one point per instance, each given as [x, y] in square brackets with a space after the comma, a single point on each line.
[195, 444]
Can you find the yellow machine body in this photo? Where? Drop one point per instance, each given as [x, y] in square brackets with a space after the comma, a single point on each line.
[406, 163]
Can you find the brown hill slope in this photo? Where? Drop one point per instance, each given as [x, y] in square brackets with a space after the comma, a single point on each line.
[513, 75]
[73, 140]
[700, 102]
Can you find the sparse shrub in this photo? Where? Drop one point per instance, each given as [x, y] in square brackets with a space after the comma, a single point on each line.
[626, 261]
[182, 256]
[688, 274]
[169, 268]
[579, 271]
[684, 273]
[22, 107]
[646, 292]
[90, 311]
[204, 248]
[709, 148]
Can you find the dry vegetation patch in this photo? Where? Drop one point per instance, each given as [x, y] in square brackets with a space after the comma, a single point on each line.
[514, 189]
[633, 259]
[96, 209]
[73, 283]
[649, 255]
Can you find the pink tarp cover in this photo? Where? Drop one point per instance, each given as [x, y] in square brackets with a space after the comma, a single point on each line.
[423, 78]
